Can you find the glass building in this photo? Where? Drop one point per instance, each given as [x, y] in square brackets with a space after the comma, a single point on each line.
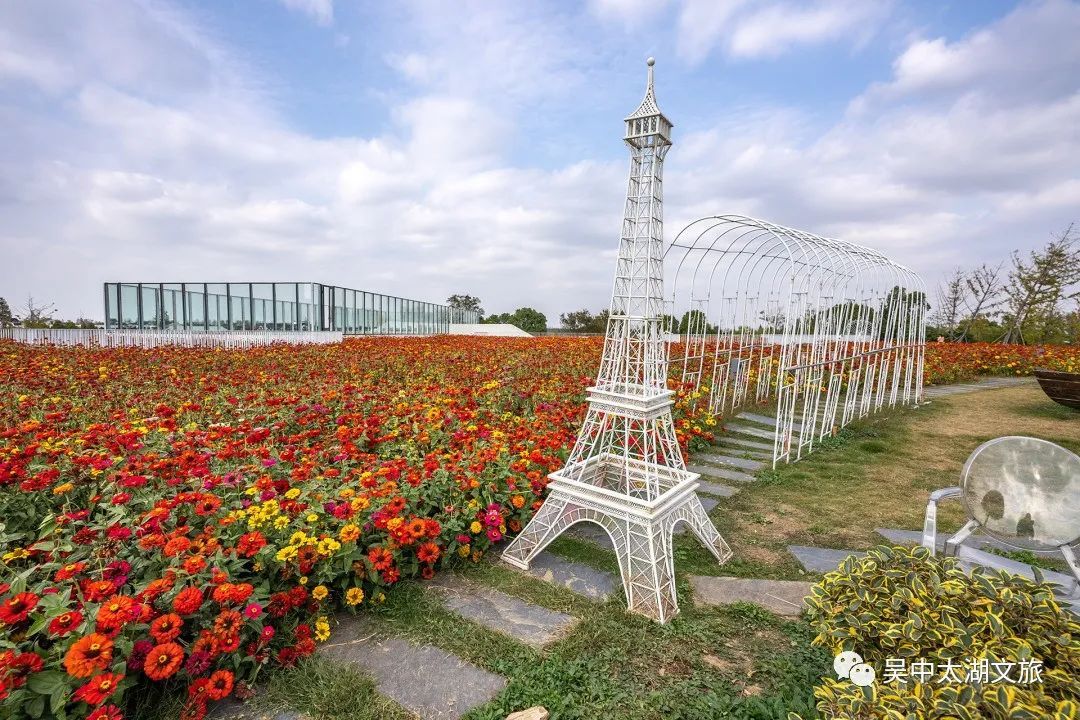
[216, 307]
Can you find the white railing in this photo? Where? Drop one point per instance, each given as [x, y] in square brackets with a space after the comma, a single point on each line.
[159, 338]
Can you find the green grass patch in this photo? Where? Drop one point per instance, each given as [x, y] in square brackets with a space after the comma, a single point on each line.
[329, 690]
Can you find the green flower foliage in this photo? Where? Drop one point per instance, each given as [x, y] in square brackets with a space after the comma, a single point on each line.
[907, 604]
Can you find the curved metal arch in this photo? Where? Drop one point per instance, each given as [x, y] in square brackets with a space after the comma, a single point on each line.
[828, 330]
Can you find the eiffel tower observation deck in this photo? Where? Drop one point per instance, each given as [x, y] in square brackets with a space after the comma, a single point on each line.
[626, 472]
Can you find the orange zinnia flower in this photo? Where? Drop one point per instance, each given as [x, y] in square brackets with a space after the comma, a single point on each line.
[428, 553]
[221, 684]
[115, 612]
[163, 661]
[166, 628]
[88, 655]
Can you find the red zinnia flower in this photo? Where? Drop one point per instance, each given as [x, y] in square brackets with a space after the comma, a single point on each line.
[221, 684]
[17, 608]
[63, 624]
[166, 628]
[109, 712]
[187, 601]
[163, 661]
[428, 553]
[20, 667]
[380, 558]
[250, 544]
[100, 687]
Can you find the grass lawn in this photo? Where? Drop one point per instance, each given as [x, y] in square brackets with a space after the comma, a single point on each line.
[739, 661]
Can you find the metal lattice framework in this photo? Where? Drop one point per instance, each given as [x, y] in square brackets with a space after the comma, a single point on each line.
[827, 330]
[626, 472]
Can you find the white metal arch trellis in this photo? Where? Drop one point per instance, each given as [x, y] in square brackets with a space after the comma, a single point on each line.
[827, 330]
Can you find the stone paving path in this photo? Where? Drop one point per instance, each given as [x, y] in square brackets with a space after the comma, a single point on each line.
[583, 579]
[936, 391]
[914, 537]
[821, 560]
[495, 610]
[421, 678]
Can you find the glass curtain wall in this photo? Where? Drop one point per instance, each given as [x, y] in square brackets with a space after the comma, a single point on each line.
[217, 307]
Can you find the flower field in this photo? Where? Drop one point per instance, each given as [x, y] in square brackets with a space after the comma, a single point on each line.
[184, 517]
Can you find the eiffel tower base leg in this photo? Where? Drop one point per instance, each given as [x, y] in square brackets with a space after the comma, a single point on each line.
[642, 540]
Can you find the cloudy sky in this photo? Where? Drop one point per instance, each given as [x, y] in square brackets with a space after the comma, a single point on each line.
[430, 148]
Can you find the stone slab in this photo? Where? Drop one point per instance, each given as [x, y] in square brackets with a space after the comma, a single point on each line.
[962, 388]
[533, 713]
[820, 560]
[914, 537]
[531, 624]
[783, 597]
[711, 473]
[974, 556]
[424, 679]
[718, 489]
[741, 463]
[730, 441]
[750, 430]
[582, 579]
[759, 419]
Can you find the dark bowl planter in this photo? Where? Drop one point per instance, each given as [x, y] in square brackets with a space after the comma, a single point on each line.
[1061, 387]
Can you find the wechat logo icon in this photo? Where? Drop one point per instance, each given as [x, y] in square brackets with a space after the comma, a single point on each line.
[849, 665]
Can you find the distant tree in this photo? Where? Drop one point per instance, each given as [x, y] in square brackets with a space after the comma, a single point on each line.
[78, 324]
[529, 320]
[982, 299]
[578, 320]
[694, 322]
[946, 318]
[37, 316]
[6, 318]
[465, 303]
[1037, 288]
[600, 322]
[526, 318]
[585, 322]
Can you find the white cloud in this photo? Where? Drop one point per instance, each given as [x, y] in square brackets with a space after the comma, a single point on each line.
[1030, 54]
[630, 13]
[321, 11]
[745, 29]
[160, 158]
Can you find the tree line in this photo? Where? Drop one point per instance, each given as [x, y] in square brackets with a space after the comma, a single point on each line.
[35, 315]
[1031, 299]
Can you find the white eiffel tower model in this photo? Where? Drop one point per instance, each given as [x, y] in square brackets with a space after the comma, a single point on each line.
[626, 472]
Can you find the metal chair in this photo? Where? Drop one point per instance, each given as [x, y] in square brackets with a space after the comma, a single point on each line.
[1024, 493]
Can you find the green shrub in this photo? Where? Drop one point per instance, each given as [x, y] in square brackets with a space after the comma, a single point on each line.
[906, 604]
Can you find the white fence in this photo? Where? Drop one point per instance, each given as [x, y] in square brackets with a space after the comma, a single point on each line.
[159, 338]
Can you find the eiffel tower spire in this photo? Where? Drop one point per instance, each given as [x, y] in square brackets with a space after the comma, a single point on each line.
[626, 471]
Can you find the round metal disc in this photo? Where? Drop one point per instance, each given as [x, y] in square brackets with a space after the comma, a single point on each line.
[1024, 492]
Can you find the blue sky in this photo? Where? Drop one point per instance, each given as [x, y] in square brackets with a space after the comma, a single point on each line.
[426, 148]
